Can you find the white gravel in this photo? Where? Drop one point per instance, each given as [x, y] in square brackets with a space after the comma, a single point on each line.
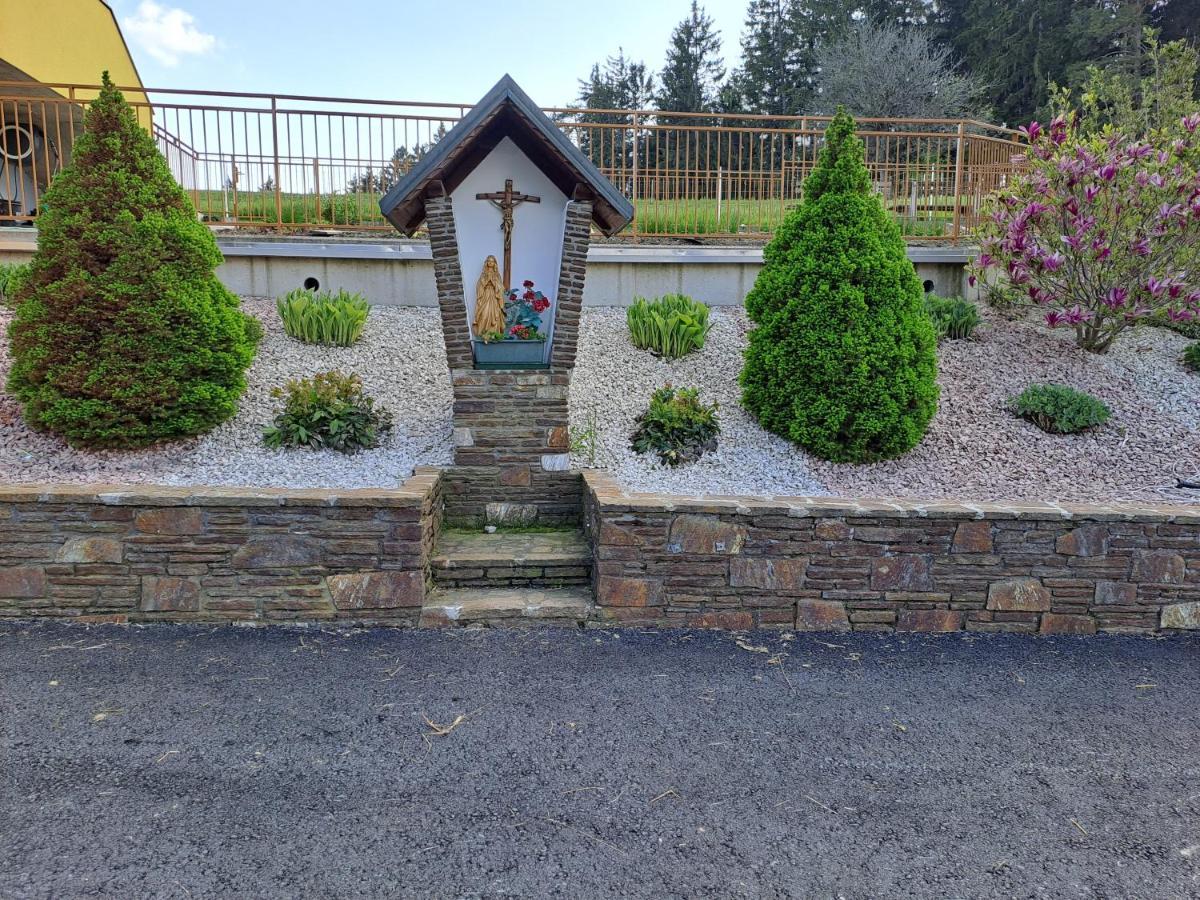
[402, 364]
[974, 450]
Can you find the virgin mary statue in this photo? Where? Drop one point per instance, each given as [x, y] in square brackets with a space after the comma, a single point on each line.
[489, 300]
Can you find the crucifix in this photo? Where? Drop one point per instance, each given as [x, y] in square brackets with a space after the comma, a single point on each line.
[505, 201]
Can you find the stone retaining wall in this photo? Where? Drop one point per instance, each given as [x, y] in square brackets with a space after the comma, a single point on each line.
[823, 564]
[129, 554]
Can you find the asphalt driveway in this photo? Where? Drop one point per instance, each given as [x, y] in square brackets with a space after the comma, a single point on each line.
[199, 762]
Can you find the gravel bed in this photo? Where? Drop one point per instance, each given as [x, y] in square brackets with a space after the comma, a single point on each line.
[402, 364]
[975, 448]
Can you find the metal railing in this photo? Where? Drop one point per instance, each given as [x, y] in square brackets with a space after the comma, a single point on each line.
[291, 162]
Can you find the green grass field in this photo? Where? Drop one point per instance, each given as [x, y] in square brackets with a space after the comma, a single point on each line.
[662, 217]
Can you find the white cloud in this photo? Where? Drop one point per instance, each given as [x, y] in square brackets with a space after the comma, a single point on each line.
[167, 33]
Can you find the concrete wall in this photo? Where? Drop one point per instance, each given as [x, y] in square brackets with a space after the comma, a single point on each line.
[400, 273]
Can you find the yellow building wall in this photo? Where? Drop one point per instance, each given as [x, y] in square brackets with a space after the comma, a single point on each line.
[69, 41]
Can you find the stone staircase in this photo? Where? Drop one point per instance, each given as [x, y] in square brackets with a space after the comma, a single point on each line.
[510, 578]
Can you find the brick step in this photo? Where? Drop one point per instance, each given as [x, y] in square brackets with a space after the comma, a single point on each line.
[446, 607]
[544, 560]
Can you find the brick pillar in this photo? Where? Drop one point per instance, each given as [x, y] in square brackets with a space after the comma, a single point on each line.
[576, 237]
[447, 272]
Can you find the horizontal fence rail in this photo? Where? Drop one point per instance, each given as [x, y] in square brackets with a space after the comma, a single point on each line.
[292, 162]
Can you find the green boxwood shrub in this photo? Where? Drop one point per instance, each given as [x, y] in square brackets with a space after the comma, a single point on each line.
[1191, 357]
[952, 317]
[843, 360]
[672, 326]
[1059, 409]
[677, 426]
[122, 334]
[327, 411]
[324, 317]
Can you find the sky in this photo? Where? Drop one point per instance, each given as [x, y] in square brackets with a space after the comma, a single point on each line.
[432, 50]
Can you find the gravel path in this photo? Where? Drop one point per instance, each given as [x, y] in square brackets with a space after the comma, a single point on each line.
[200, 762]
[975, 448]
[402, 364]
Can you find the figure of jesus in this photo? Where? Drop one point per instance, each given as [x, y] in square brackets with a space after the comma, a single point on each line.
[489, 300]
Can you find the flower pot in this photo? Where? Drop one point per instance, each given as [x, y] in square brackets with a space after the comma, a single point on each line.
[510, 354]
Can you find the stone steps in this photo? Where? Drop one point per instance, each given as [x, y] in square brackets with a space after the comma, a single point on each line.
[447, 607]
[555, 559]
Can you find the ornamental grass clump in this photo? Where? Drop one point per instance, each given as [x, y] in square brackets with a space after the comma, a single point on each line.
[1101, 231]
[11, 276]
[1058, 409]
[327, 412]
[678, 426]
[671, 326]
[122, 335]
[843, 360]
[952, 317]
[336, 319]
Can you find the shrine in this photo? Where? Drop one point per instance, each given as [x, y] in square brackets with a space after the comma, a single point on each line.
[509, 203]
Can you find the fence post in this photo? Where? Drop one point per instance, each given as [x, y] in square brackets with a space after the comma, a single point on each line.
[960, 152]
[275, 151]
[317, 190]
[634, 190]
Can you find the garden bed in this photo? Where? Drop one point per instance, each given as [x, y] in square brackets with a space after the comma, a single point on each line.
[975, 449]
[402, 363]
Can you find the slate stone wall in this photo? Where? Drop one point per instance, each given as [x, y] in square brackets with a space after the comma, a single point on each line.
[821, 564]
[217, 554]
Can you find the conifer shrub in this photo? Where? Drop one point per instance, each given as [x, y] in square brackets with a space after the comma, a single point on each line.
[122, 335]
[1058, 409]
[843, 359]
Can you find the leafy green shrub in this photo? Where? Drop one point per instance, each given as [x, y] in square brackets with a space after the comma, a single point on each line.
[843, 360]
[1059, 409]
[122, 334]
[672, 326]
[11, 276]
[952, 317]
[1191, 357]
[327, 411]
[323, 318]
[677, 426]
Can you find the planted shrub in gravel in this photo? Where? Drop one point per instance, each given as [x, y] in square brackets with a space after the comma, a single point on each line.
[331, 318]
[678, 426]
[671, 326]
[843, 360]
[952, 317]
[328, 411]
[122, 335]
[1058, 409]
[1191, 357]
[11, 276]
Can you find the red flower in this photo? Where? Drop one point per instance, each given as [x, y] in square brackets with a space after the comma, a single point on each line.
[529, 295]
[527, 283]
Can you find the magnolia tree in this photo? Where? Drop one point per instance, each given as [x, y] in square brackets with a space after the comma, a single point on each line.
[1099, 231]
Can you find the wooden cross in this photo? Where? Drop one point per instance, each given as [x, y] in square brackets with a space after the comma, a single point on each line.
[505, 201]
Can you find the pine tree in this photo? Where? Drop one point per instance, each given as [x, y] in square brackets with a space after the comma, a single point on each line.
[774, 77]
[691, 76]
[122, 334]
[843, 358]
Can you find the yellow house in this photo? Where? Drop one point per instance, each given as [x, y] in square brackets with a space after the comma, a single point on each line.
[45, 46]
